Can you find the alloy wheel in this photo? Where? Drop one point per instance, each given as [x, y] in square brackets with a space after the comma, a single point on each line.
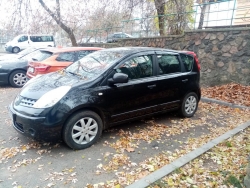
[19, 79]
[84, 130]
[190, 104]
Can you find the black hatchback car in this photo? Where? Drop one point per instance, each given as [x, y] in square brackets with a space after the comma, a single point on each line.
[106, 88]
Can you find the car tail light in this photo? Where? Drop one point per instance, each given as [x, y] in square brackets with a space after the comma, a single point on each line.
[195, 59]
[39, 66]
[42, 68]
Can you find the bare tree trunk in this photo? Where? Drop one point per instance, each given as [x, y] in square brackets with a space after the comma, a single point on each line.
[160, 8]
[202, 16]
[57, 17]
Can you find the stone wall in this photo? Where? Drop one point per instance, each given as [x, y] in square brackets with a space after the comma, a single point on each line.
[224, 54]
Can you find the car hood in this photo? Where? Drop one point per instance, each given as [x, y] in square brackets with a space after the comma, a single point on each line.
[38, 86]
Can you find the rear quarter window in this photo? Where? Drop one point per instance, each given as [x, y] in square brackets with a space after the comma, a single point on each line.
[188, 62]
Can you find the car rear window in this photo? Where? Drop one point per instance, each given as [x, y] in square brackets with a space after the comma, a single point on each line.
[188, 61]
[168, 64]
[38, 55]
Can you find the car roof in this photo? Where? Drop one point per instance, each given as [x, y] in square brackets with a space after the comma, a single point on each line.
[127, 50]
[70, 49]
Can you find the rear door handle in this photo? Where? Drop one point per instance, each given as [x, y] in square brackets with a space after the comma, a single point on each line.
[151, 86]
[185, 80]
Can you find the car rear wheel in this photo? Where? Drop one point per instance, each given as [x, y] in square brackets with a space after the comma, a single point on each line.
[18, 78]
[16, 50]
[189, 105]
[82, 130]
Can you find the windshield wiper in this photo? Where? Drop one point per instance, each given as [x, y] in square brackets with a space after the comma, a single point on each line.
[96, 59]
[72, 73]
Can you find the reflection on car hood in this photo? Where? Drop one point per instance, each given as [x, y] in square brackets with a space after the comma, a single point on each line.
[41, 85]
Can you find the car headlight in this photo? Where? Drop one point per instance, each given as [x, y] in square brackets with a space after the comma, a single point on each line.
[52, 97]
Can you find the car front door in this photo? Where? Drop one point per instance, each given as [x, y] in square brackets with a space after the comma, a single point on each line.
[23, 42]
[135, 98]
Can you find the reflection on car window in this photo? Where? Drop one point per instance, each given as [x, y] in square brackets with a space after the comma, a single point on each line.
[66, 56]
[94, 64]
[168, 64]
[82, 54]
[23, 38]
[188, 61]
[137, 67]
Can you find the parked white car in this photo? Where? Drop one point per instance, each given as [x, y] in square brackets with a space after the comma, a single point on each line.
[22, 42]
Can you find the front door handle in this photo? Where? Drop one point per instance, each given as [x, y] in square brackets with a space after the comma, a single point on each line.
[151, 86]
[185, 80]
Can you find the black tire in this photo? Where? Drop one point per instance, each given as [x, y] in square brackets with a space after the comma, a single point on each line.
[18, 78]
[76, 130]
[189, 105]
[15, 50]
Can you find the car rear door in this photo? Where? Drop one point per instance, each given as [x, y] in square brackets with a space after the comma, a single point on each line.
[170, 79]
[191, 74]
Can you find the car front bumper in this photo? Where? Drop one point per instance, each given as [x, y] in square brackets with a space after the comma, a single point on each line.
[8, 48]
[4, 78]
[35, 127]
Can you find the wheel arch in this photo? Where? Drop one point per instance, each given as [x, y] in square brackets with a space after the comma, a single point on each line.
[14, 71]
[14, 48]
[197, 91]
[93, 109]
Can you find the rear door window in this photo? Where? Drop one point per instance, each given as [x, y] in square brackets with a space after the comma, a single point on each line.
[168, 64]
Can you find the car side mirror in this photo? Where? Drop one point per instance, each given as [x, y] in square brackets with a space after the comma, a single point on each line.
[118, 78]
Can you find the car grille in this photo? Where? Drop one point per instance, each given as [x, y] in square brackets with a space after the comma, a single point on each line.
[24, 101]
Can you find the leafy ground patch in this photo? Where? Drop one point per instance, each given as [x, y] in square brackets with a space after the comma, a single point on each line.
[222, 166]
[233, 93]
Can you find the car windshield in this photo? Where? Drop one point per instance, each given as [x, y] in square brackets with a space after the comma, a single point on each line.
[94, 64]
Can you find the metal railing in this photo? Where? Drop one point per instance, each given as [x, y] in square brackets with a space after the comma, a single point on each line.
[218, 14]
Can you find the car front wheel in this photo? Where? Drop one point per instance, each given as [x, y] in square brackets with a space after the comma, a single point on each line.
[16, 50]
[82, 130]
[189, 105]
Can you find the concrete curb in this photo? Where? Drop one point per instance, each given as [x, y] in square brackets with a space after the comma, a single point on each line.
[232, 105]
[167, 169]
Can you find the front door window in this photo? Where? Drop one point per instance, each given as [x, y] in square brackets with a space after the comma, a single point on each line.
[137, 67]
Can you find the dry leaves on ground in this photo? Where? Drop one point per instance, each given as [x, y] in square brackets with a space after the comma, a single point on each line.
[233, 93]
[222, 166]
